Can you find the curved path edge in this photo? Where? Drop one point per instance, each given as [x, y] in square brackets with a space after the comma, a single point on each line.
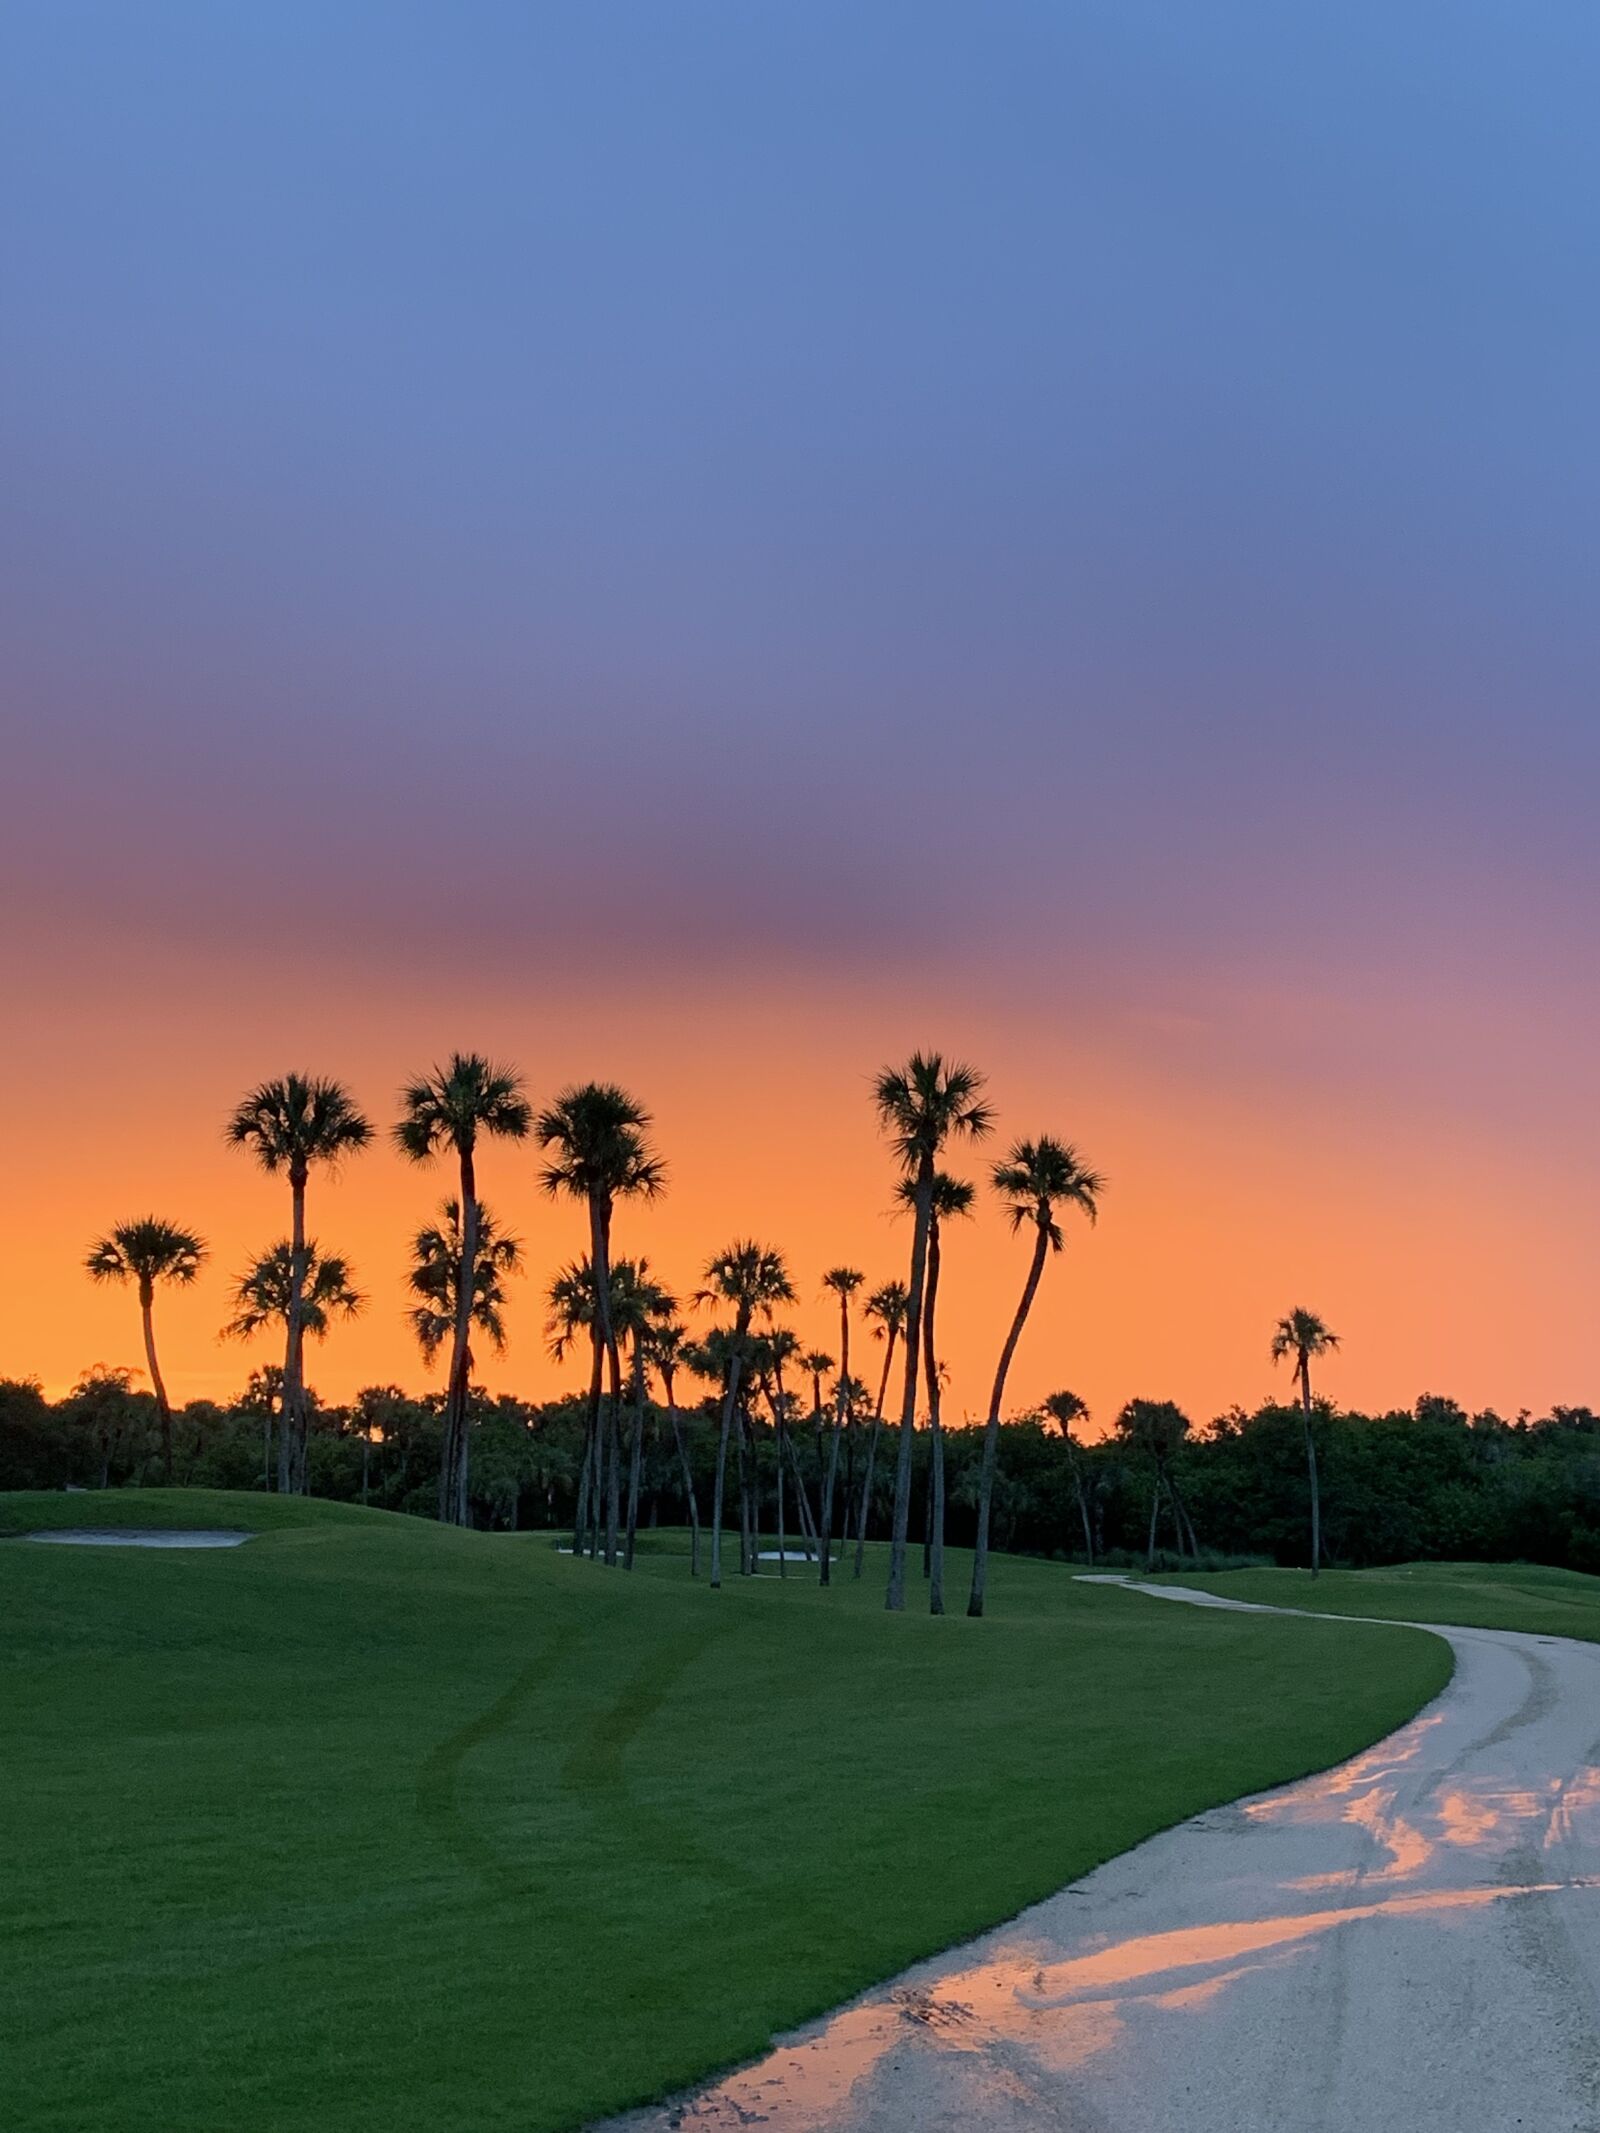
[1410, 1940]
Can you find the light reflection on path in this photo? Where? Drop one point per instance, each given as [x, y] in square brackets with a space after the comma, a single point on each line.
[1409, 1941]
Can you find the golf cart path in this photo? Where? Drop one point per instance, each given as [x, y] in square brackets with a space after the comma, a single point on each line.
[1409, 1943]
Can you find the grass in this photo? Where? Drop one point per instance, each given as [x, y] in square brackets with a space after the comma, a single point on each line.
[372, 1824]
[1552, 1603]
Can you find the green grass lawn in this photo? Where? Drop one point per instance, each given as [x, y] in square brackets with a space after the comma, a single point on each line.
[371, 1824]
[1554, 1603]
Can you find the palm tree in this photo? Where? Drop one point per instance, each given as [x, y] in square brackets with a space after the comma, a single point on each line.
[886, 1308]
[263, 1296]
[437, 1260]
[952, 1198]
[843, 1282]
[665, 1350]
[450, 1108]
[1303, 1335]
[1157, 1428]
[146, 1252]
[288, 1125]
[1064, 1409]
[753, 1279]
[1035, 1178]
[921, 1106]
[601, 1155]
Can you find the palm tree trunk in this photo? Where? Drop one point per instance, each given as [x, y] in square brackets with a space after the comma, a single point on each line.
[894, 1598]
[588, 1476]
[930, 1364]
[830, 1479]
[1186, 1534]
[292, 1400]
[1311, 1466]
[747, 1520]
[783, 1559]
[636, 1456]
[1083, 1513]
[613, 1457]
[688, 1480]
[808, 1525]
[453, 1462]
[991, 1435]
[728, 1399]
[872, 1456]
[157, 1382]
[366, 1462]
[1150, 1542]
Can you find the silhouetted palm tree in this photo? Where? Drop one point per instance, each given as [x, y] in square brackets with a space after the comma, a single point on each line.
[288, 1125]
[952, 1198]
[1065, 1409]
[451, 1109]
[437, 1260]
[146, 1252]
[263, 1296]
[843, 1282]
[886, 1309]
[753, 1279]
[1157, 1428]
[601, 1155]
[1303, 1335]
[1035, 1179]
[921, 1106]
[665, 1346]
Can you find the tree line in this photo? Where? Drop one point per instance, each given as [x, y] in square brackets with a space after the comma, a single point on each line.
[1431, 1480]
[598, 1156]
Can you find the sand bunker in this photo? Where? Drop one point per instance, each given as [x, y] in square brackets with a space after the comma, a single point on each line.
[141, 1537]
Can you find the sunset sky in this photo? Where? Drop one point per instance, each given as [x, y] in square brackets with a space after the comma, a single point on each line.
[709, 545]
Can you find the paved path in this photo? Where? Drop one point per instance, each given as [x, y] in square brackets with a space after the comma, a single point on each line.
[1407, 1944]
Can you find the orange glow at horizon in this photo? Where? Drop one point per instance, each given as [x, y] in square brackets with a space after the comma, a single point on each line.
[1227, 1202]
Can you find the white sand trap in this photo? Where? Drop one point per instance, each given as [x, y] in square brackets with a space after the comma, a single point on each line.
[141, 1537]
[1409, 1943]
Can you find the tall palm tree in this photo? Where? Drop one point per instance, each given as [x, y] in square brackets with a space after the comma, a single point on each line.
[1064, 1410]
[449, 1110]
[952, 1199]
[664, 1348]
[146, 1252]
[842, 1282]
[1303, 1335]
[1157, 1428]
[922, 1106]
[1035, 1179]
[754, 1280]
[288, 1125]
[601, 1154]
[434, 1278]
[886, 1310]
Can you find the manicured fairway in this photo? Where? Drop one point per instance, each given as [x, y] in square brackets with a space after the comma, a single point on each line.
[1554, 1603]
[370, 1824]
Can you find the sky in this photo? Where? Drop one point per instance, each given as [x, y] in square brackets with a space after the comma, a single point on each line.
[712, 545]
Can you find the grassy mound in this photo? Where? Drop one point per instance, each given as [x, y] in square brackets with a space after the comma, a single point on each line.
[1551, 1603]
[373, 1824]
